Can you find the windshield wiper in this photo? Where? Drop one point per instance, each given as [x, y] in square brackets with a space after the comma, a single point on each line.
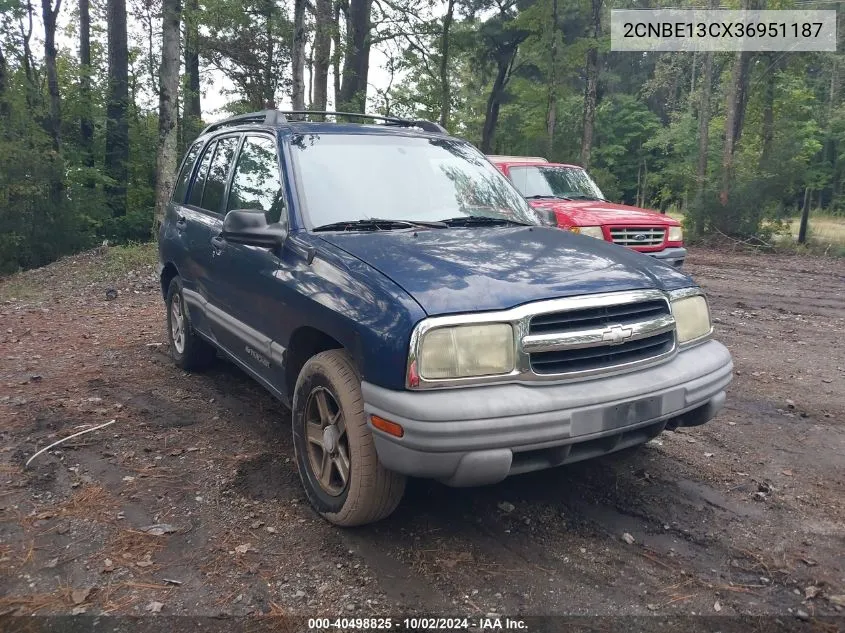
[540, 197]
[481, 220]
[377, 224]
[584, 196]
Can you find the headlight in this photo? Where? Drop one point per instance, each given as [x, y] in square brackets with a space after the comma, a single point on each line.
[467, 350]
[589, 231]
[676, 234]
[692, 318]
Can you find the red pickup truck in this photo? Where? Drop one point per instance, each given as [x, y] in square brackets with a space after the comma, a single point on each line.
[574, 202]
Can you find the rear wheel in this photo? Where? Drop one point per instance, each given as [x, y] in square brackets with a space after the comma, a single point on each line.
[188, 350]
[334, 447]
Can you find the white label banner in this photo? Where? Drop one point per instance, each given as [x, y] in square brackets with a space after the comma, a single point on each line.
[722, 30]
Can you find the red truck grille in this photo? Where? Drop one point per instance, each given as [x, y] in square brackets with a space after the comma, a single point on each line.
[638, 236]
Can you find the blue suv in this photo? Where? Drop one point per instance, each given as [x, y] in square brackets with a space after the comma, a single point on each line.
[386, 282]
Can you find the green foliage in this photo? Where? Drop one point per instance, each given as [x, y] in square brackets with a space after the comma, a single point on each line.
[52, 204]
[646, 135]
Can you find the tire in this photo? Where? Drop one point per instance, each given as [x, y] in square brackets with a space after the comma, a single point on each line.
[328, 401]
[188, 350]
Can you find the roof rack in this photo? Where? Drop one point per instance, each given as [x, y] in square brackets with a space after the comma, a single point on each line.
[279, 117]
[266, 117]
[428, 126]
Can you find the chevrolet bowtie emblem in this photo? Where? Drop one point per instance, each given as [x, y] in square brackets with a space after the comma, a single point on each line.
[616, 334]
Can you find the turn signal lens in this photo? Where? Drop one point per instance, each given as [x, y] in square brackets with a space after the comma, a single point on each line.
[391, 428]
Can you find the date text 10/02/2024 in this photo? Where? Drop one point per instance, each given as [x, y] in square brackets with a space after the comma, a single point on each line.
[496, 623]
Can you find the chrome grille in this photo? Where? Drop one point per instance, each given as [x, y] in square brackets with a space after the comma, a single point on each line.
[637, 236]
[569, 338]
[597, 338]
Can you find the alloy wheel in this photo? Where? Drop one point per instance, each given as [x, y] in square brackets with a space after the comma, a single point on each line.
[327, 442]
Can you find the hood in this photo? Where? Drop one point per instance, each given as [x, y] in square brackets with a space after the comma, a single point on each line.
[472, 269]
[597, 212]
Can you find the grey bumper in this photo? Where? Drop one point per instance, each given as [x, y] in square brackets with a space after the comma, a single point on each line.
[674, 256]
[480, 435]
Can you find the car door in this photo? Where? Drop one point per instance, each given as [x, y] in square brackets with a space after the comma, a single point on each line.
[201, 219]
[188, 227]
[247, 278]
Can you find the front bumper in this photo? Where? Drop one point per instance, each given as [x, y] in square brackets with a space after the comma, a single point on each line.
[480, 435]
[674, 256]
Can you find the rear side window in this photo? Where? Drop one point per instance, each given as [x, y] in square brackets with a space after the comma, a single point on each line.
[202, 173]
[184, 178]
[215, 184]
[256, 183]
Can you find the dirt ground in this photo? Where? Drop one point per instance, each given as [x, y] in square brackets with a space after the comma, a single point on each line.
[190, 502]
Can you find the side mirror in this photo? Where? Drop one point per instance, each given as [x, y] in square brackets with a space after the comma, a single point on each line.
[250, 227]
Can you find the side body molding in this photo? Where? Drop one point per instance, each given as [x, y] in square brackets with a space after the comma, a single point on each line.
[251, 337]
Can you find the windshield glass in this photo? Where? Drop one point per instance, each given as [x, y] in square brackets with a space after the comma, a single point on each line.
[555, 182]
[349, 177]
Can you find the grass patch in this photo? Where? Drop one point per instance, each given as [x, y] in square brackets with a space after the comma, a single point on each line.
[119, 260]
[824, 229]
[74, 272]
[825, 235]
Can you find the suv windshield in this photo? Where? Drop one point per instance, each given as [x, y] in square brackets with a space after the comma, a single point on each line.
[398, 180]
[554, 181]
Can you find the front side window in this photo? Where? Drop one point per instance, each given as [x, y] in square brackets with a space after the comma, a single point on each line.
[218, 172]
[256, 183]
[568, 183]
[359, 177]
[184, 177]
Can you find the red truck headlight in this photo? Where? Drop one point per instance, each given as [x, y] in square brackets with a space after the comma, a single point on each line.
[589, 231]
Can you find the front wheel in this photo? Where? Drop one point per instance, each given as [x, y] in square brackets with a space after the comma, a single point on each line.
[335, 453]
[188, 350]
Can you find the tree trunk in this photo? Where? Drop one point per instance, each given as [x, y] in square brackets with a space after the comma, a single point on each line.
[86, 124]
[356, 62]
[297, 57]
[551, 110]
[309, 64]
[734, 115]
[592, 73]
[445, 87]
[337, 54]
[53, 124]
[117, 124]
[192, 118]
[768, 127]
[494, 101]
[269, 67]
[704, 120]
[694, 69]
[4, 86]
[322, 52]
[831, 140]
[167, 114]
[805, 217]
[32, 89]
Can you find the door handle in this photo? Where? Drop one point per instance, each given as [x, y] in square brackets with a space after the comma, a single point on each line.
[218, 243]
